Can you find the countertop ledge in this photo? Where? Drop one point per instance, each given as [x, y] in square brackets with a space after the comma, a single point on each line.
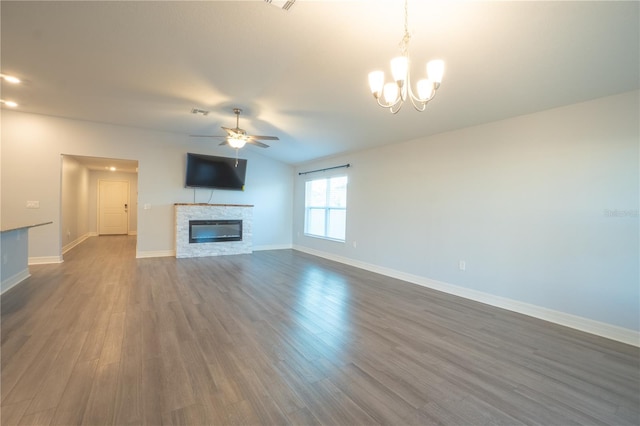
[218, 205]
[33, 225]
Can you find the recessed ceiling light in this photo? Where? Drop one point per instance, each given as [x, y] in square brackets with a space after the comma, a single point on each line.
[9, 103]
[10, 78]
[113, 169]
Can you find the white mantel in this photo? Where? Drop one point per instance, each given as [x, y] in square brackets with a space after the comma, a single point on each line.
[186, 212]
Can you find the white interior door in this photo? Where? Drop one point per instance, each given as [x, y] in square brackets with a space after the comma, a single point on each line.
[113, 207]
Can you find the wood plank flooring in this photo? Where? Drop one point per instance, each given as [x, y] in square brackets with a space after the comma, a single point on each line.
[281, 337]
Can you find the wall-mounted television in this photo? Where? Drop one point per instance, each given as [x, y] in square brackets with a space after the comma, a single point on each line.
[207, 171]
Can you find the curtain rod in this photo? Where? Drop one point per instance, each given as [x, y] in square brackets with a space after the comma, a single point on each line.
[322, 170]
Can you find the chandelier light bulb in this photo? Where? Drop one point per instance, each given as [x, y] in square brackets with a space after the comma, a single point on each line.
[376, 82]
[425, 88]
[391, 92]
[435, 70]
[399, 68]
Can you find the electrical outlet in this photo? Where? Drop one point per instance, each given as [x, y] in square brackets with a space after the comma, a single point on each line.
[355, 244]
[462, 265]
[33, 204]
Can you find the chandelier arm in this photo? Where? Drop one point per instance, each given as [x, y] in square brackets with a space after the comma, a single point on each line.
[389, 104]
[399, 107]
[419, 104]
[415, 99]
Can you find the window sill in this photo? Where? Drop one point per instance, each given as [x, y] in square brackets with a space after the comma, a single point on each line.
[320, 237]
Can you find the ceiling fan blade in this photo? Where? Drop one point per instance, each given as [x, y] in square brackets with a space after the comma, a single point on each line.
[265, 138]
[256, 143]
[206, 136]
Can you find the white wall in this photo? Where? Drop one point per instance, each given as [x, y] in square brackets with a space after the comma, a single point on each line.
[75, 213]
[31, 170]
[527, 203]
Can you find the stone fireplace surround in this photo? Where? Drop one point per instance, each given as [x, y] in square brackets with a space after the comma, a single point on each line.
[186, 212]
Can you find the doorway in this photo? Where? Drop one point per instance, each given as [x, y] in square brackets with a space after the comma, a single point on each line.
[113, 207]
[81, 181]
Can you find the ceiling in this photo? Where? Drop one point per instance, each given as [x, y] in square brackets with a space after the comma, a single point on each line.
[301, 74]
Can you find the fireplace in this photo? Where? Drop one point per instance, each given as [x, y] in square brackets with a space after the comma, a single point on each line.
[213, 231]
[218, 238]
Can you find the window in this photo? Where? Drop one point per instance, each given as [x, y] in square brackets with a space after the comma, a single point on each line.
[326, 208]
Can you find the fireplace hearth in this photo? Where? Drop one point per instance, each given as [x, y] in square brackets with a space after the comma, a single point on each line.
[213, 231]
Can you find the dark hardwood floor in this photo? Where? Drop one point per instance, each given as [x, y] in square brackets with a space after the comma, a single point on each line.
[281, 337]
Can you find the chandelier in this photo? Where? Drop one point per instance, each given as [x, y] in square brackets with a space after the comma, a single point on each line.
[393, 95]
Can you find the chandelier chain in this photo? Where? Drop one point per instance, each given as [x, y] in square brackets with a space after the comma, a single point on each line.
[404, 43]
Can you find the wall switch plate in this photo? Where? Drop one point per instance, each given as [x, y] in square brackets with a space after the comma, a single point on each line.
[147, 206]
[462, 265]
[33, 204]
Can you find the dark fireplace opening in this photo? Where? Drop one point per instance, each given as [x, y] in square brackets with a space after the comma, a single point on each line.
[212, 231]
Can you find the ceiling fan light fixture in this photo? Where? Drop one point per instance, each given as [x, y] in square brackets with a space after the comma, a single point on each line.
[237, 138]
[236, 143]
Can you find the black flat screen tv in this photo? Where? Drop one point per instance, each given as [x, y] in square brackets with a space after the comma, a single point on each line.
[206, 171]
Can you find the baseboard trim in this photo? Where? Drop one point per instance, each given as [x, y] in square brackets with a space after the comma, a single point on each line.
[172, 253]
[45, 260]
[158, 253]
[75, 243]
[609, 331]
[273, 247]
[133, 233]
[14, 280]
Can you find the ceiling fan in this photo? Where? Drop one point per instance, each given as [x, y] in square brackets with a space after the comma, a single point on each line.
[237, 137]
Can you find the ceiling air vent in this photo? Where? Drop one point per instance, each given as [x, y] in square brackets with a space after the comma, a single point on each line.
[199, 111]
[285, 5]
